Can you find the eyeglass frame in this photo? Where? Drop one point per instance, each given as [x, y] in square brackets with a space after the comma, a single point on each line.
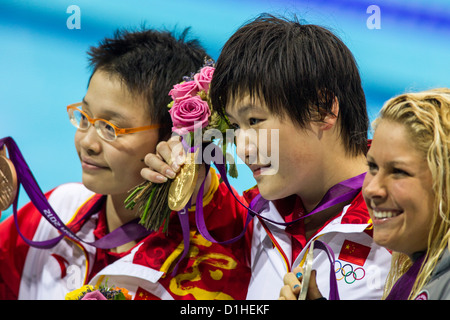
[117, 130]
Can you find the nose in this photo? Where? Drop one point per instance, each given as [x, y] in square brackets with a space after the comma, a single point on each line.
[89, 140]
[374, 187]
[246, 145]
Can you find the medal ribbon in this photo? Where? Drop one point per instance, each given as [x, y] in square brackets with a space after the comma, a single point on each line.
[124, 234]
[402, 288]
[307, 261]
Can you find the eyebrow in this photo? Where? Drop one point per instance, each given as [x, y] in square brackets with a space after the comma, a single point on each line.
[399, 163]
[108, 113]
[392, 163]
[244, 110]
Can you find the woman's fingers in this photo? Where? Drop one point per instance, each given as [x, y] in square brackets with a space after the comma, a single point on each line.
[166, 162]
[292, 284]
[286, 293]
[172, 152]
[158, 171]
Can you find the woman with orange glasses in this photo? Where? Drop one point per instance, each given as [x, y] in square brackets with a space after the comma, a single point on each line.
[105, 129]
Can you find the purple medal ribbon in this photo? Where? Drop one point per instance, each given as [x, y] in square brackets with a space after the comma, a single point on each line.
[124, 234]
[334, 292]
[183, 216]
[402, 288]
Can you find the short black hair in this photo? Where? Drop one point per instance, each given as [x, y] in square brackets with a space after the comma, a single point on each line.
[293, 68]
[149, 62]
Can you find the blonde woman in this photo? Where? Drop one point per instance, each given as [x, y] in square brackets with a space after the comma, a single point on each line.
[407, 191]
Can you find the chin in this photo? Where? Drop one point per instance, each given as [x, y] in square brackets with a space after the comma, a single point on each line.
[271, 193]
[96, 187]
[384, 241]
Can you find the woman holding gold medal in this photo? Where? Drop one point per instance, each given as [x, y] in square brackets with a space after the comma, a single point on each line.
[300, 81]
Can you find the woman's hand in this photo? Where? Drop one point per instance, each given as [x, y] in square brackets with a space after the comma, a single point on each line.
[293, 284]
[166, 163]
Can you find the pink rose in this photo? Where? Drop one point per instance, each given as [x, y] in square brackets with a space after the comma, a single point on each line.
[184, 90]
[203, 78]
[189, 112]
[94, 295]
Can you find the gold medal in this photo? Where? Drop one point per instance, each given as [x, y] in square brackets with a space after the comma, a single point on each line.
[8, 181]
[183, 186]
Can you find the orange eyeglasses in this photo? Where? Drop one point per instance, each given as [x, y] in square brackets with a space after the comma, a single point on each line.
[105, 129]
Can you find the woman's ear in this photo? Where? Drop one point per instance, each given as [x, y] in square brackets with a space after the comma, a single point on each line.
[329, 119]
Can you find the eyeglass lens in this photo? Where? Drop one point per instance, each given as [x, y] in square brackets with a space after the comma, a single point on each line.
[104, 129]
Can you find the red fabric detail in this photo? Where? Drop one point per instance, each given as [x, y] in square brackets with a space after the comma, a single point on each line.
[142, 294]
[247, 198]
[76, 224]
[354, 252]
[224, 216]
[13, 250]
[291, 208]
[369, 231]
[250, 194]
[62, 264]
[210, 267]
[357, 212]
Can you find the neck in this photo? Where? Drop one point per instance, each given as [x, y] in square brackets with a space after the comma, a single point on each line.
[347, 169]
[117, 215]
[417, 255]
[316, 221]
[339, 171]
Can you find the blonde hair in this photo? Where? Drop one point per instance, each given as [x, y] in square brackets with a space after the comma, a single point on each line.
[426, 117]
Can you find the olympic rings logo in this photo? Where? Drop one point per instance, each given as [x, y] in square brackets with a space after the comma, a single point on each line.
[349, 274]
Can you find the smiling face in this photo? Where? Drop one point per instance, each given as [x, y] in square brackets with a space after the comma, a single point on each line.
[113, 167]
[398, 190]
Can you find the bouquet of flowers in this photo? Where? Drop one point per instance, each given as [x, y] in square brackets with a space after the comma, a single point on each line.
[191, 114]
[102, 292]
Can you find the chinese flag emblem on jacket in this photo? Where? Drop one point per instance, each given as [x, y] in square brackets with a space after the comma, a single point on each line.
[354, 252]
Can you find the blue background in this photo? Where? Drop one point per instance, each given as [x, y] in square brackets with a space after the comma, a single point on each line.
[43, 64]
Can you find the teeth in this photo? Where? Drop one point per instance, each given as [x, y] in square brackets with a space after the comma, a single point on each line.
[384, 214]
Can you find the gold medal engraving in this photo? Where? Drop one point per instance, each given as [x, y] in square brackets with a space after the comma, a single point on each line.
[8, 181]
[183, 186]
